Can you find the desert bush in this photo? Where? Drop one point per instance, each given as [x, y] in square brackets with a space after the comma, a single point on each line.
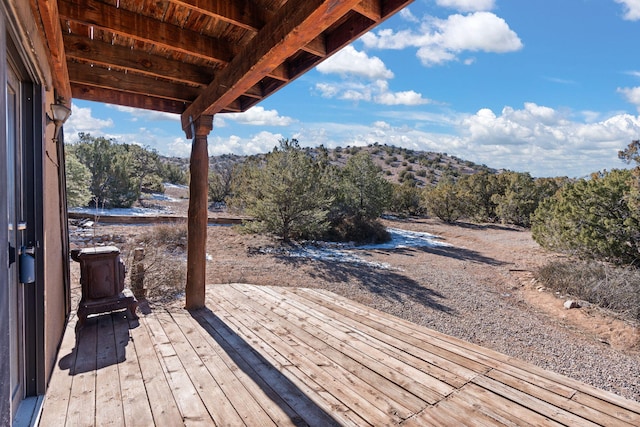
[170, 236]
[592, 219]
[285, 194]
[165, 270]
[359, 230]
[610, 287]
[444, 201]
[405, 200]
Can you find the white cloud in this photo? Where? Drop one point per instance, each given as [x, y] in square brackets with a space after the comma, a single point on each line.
[258, 116]
[632, 94]
[377, 92]
[467, 5]
[631, 9]
[408, 16]
[408, 97]
[82, 120]
[544, 141]
[349, 61]
[443, 40]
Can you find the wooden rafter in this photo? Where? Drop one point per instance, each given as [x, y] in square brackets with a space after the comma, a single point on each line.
[145, 29]
[296, 24]
[108, 55]
[241, 13]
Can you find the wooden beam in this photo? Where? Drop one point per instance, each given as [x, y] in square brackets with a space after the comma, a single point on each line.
[317, 47]
[390, 7]
[241, 13]
[48, 12]
[348, 31]
[198, 213]
[129, 82]
[106, 54]
[293, 26]
[372, 9]
[145, 29]
[117, 97]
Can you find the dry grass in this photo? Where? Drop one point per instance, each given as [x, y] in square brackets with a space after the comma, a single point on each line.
[607, 286]
[164, 261]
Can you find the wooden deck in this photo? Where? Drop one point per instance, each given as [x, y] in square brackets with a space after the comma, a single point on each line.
[261, 356]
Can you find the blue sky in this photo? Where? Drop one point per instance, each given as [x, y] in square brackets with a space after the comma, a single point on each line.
[548, 87]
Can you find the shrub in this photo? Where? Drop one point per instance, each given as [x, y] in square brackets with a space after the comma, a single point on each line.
[164, 262]
[444, 201]
[359, 230]
[610, 287]
[591, 219]
[285, 194]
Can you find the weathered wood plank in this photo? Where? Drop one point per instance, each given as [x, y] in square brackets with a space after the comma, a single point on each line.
[355, 394]
[164, 408]
[506, 411]
[235, 377]
[533, 403]
[193, 411]
[135, 401]
[620, 410]
[402, 401]
[282, 356]
[417, 382]
[301, 391]
[82, 403]
[416, 338]
[109, 409]
[208, 386]
[561, 402]
[446, 366]
[56, 403]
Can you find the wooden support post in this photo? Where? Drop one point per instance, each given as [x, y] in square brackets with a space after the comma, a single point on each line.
[198, 213]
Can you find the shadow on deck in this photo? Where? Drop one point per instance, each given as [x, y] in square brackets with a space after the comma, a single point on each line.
[285, 356]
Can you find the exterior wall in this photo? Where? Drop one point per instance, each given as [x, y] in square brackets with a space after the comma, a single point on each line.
[18, 22]
[5, 407]
[54, 263]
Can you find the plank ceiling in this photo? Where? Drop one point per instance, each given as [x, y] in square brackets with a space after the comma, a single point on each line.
[197, 57]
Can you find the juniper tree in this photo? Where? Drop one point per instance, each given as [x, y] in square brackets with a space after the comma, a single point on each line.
[284, 193]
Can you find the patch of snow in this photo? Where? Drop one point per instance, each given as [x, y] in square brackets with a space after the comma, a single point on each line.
[169, 185]
[162, 197]
[137, 211]
[344, 252]
[407, 239]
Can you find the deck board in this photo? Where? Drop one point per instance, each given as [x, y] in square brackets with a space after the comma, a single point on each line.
[289, 356]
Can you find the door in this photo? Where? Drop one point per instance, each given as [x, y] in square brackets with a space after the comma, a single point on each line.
[16, 230]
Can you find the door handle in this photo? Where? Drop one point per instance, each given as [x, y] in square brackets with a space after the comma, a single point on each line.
[27, 265]
[12, 254]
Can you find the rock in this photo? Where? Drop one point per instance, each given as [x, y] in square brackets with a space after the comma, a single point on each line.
[571, 304]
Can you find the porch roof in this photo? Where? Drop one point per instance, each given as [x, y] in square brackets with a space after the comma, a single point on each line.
[290, 356]
[196, 57]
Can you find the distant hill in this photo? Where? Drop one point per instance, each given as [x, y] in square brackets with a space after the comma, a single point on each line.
[398, 164]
